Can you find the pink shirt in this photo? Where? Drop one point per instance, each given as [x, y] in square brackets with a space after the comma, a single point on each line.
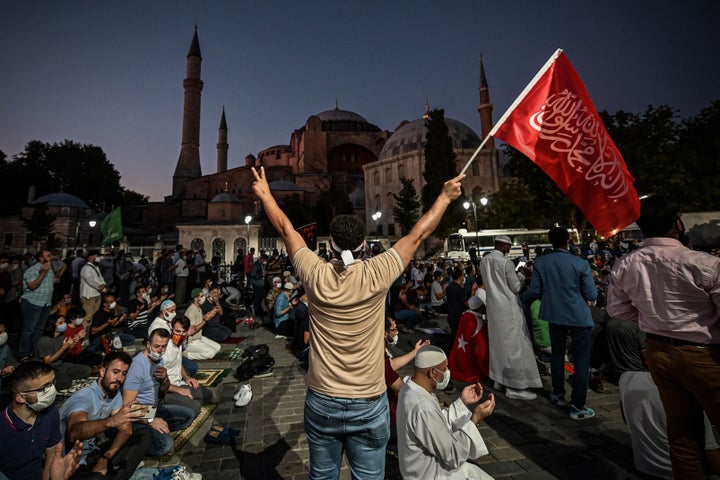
[669, 290]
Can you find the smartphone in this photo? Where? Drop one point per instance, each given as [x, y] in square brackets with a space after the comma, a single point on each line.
[150, 410]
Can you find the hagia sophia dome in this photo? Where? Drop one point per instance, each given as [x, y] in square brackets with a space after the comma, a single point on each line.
[409, 138]
[345, 121]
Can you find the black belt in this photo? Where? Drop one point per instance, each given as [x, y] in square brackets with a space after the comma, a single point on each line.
[676, 342]
[372, 399]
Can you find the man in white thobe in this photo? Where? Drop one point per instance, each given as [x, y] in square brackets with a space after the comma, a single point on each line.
[436, 443]
[512, 360]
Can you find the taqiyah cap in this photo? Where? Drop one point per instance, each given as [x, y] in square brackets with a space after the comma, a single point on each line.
[429, 356]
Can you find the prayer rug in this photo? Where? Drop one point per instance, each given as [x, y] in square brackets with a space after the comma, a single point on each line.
[182, 436]
[210, 377]
[234, 355]
[234, 340]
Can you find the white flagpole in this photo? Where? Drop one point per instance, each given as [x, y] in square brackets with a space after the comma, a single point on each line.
[512, 107]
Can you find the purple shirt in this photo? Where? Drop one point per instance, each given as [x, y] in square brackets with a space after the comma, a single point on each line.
[669, 290]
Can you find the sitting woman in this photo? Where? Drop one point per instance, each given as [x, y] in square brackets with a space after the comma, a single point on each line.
[53, 346]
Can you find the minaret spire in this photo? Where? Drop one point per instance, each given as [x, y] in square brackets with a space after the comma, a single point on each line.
[426, 115]
[222, 146]
[188, 165]
[485, 108]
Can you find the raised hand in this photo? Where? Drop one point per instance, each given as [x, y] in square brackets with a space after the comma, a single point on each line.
[484, 409]
[472, 393]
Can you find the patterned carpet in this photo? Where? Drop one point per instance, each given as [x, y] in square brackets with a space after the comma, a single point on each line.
[182, 436]
[211, 377]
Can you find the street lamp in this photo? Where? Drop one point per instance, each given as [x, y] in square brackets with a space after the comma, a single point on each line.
[248, 219]
[466, 206]
[484, 202]
[376, 216]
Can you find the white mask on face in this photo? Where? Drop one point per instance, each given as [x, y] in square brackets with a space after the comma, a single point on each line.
[154, 356]
[202, 300]
[442, 385]
[169, 316]
[4, 265]
[78, 321]
[3, 338]
[44, 399]
[394, 340]
[112, 305]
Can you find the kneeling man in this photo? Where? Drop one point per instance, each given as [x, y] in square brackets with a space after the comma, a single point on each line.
[433, 442]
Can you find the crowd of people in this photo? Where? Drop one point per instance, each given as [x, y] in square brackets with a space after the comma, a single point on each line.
[647, 321]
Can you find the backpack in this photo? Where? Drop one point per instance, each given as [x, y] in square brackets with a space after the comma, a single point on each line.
[256, 360]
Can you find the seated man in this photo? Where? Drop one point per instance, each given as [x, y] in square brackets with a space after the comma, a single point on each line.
[53, 346]
[168, 311]
[435, 443]
[30, 438]
[105, 321]
[146, 379]
[214, 329]
[199, 347]
[406, 308]
[437, 293]
[184, 389]
[137, 313]
[114, 441]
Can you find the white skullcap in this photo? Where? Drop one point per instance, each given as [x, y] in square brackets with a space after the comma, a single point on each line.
[288, 286]
[503, 239]
[475, 302]
[429, 356]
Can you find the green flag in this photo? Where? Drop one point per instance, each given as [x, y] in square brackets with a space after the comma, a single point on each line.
[111, 227]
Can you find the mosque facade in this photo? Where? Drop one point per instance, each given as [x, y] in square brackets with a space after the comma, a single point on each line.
[336, 149]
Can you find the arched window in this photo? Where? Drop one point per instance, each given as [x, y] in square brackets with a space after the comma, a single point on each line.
[239, 245]
[197, 244]
[218, 249]
[378, 203]
[401, 171]
[376, 177]
[388, 175]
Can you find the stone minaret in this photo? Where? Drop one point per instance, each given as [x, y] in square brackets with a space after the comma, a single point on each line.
[485, 108]
[222, 146]
[188, 165]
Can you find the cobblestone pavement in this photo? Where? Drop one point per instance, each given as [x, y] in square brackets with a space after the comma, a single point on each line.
[527, 440]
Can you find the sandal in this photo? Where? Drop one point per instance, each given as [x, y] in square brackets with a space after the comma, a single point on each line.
[217, 437]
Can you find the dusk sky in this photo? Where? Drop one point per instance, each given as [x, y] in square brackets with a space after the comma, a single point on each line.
[110, 73]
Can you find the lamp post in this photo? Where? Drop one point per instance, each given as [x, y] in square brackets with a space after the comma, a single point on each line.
[376, 216]
[484, 202]
[466, 206]
[248, 219]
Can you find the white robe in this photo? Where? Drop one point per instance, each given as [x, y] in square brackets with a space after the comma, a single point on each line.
[435, 443]
[512, 360]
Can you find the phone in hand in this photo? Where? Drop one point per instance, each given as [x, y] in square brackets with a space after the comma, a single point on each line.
[520, 265]
[150, 410]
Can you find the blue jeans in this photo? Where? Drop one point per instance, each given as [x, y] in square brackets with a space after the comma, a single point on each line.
[177, 418]
[34, 319]
[581, 343]
[358, 426]
[408, 317]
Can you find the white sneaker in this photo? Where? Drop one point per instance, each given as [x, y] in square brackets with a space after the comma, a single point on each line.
[181, 473]
[243, 396]
[520, 394]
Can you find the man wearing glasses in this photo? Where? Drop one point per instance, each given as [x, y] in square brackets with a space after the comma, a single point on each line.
[30, 438]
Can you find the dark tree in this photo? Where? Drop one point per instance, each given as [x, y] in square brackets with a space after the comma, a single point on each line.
[440, 166]
[40, 226]
[79, 169]
[407, 206]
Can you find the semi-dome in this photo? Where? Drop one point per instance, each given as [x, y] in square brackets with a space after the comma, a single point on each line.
[61, 199]
[410, 137]
[225, 197]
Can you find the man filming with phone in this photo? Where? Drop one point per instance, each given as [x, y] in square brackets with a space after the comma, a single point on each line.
[114, 439]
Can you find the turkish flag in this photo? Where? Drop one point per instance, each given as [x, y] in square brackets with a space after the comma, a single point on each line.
[470, 358]
[555, 124]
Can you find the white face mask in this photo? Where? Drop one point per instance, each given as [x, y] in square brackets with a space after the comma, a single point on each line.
[169, 316]
[44, 399]
[4, 266]
[112, 305]
[442, 385]
[3, 338]
[146, 297]
[394, 340]
[78, 321]
[202, 300]
[154, 356]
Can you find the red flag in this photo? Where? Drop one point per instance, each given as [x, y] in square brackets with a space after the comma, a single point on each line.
[555, 124]
[469, 359]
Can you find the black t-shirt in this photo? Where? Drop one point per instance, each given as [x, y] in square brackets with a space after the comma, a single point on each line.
[99, 319]
[456, 298]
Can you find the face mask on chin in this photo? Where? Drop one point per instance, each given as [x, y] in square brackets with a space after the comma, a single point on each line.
[44, 400]
[154, 356]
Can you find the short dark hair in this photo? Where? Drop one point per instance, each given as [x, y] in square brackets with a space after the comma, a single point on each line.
[158, 332]
[182, 320]
[28, 371]
[658, 214]
[124, 357]
[558, 237]
[347, 231]
[457, 273]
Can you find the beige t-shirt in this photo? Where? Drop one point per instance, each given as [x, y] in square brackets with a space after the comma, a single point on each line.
[195, 315]
[347, 322]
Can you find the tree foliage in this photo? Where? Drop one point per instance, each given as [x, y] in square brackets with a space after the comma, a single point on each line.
[40, 226]
[82, 170]
[407, 206]
[440, 166]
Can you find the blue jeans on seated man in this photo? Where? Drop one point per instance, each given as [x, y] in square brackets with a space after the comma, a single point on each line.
[581, 343]
[360, 427]
[177, 418]
[408, 317]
